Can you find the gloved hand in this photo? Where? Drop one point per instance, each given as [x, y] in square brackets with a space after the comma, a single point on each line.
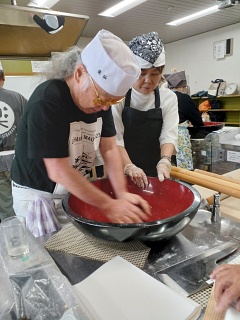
[137, 175]
[163, 169]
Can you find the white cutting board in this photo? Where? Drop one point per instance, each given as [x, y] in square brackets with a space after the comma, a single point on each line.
[120, 291]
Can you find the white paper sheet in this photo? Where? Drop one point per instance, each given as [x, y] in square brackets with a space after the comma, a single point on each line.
[232, 314]
[120, 291]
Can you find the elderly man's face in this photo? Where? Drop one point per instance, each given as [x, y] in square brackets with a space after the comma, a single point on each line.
[89, 97]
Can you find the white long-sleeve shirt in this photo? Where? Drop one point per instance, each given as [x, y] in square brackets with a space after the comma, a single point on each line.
[144, 102]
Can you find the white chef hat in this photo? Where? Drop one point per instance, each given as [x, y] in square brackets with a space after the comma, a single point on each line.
[110, 63]
[149, 50]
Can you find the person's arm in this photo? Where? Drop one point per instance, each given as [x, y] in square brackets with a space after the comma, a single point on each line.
[123, 210]
[136, 174]
[164, 165]
[227, 286]
[167, 149]
[169, 134]
[113, 163]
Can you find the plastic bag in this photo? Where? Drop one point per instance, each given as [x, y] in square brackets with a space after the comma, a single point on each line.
[41, 294]
[6, 295]
[35, 296]
[216, 88]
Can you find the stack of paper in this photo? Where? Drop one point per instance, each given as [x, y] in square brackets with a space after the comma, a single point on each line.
[120, 291]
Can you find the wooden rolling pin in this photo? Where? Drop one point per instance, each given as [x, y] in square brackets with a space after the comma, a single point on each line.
[211, 174]
[210, 199]
[217, 184]
[205, 176]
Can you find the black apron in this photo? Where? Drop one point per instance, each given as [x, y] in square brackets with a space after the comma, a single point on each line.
[142, 130]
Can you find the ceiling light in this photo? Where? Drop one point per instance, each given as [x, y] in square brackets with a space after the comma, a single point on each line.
[43, 3]
[194, 16]
[121, 7]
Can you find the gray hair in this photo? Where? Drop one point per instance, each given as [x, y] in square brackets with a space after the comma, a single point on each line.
[64, 63]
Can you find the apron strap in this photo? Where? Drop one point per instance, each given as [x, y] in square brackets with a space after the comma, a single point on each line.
[128, 98]
[157, 98]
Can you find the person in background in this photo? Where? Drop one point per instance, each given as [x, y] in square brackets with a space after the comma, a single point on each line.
[12, 105]
[189, 116]
[227, 286]
[147, 121]
[67, 118]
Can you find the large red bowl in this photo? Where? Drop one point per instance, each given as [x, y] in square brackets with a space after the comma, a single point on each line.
[213, 126]
[173, 205]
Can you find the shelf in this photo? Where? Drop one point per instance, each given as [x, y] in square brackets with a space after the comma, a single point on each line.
[231, 123]
[230, 108]
[227, 96]
[219, 110]
[230, 105]
[218, 97]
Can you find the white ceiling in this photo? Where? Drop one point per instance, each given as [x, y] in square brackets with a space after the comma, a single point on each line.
[148, 16]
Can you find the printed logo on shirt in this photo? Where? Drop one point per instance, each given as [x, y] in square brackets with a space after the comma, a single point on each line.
[84, 140]
[7, 119]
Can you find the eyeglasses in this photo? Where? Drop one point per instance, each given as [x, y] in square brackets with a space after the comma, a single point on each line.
[99, 101]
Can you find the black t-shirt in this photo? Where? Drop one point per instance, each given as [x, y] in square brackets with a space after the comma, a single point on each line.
[188, 110]
[45, 131]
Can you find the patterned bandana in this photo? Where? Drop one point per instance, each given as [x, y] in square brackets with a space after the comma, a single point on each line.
[148, 47]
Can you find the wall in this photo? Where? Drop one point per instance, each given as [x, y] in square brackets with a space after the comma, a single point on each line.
[195, 56]
[82, 42]
[19, 76]
[22, 84]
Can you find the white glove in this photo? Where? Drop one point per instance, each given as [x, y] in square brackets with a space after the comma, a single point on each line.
[137, 175]
[163, 169]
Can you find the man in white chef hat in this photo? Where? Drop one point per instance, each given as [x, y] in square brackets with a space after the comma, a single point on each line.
[68, 118]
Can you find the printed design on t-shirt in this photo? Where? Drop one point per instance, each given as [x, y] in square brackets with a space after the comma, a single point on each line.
[7, 119]
[84, 139]
[83, 162]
